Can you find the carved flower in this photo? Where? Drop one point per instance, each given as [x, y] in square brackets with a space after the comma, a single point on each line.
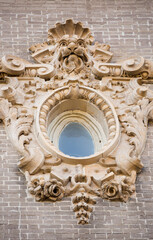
[39, 195]
[118, 190]
[127, 189]
[36, 188]
[110, 190]
[53, 190]
[42, 190]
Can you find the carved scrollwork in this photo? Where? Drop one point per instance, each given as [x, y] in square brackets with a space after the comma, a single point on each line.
[16, 66]
[138, 67]
[12, 65]
[20, 128]
[46, 71]
[107, 69]
[73, 81]
[133, 65]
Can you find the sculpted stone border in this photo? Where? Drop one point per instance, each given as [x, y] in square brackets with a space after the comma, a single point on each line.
[73, 80]
[86, 120]
[78, 92]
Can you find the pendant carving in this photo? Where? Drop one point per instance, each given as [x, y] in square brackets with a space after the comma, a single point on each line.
[74, 81]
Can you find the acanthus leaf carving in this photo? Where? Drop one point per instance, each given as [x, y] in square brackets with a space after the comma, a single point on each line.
[73, 81]
[4, 109]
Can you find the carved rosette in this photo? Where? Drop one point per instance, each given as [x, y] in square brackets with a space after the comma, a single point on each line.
[73, 81]
[50, 190]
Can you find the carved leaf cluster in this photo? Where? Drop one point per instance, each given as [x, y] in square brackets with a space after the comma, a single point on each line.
[70, 68]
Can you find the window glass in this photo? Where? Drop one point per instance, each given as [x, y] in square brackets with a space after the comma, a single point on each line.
[76, 141]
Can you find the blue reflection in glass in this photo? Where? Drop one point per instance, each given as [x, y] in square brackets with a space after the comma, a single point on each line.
[76, 141]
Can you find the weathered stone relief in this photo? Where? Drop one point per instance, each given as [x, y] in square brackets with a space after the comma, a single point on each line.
[74, 80]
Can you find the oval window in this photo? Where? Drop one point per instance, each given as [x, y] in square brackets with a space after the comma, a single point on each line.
[76, 141]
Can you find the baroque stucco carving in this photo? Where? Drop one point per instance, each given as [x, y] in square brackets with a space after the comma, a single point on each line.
[73, 80]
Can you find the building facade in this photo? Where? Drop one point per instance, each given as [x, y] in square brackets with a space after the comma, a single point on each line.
[127, 27]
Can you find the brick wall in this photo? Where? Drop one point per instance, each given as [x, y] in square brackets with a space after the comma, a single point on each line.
[128, 27]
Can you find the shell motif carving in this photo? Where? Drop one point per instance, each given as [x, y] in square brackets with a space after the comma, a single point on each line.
[74, 81]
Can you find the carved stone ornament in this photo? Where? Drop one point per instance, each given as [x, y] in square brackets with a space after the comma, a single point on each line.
[73, 81]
